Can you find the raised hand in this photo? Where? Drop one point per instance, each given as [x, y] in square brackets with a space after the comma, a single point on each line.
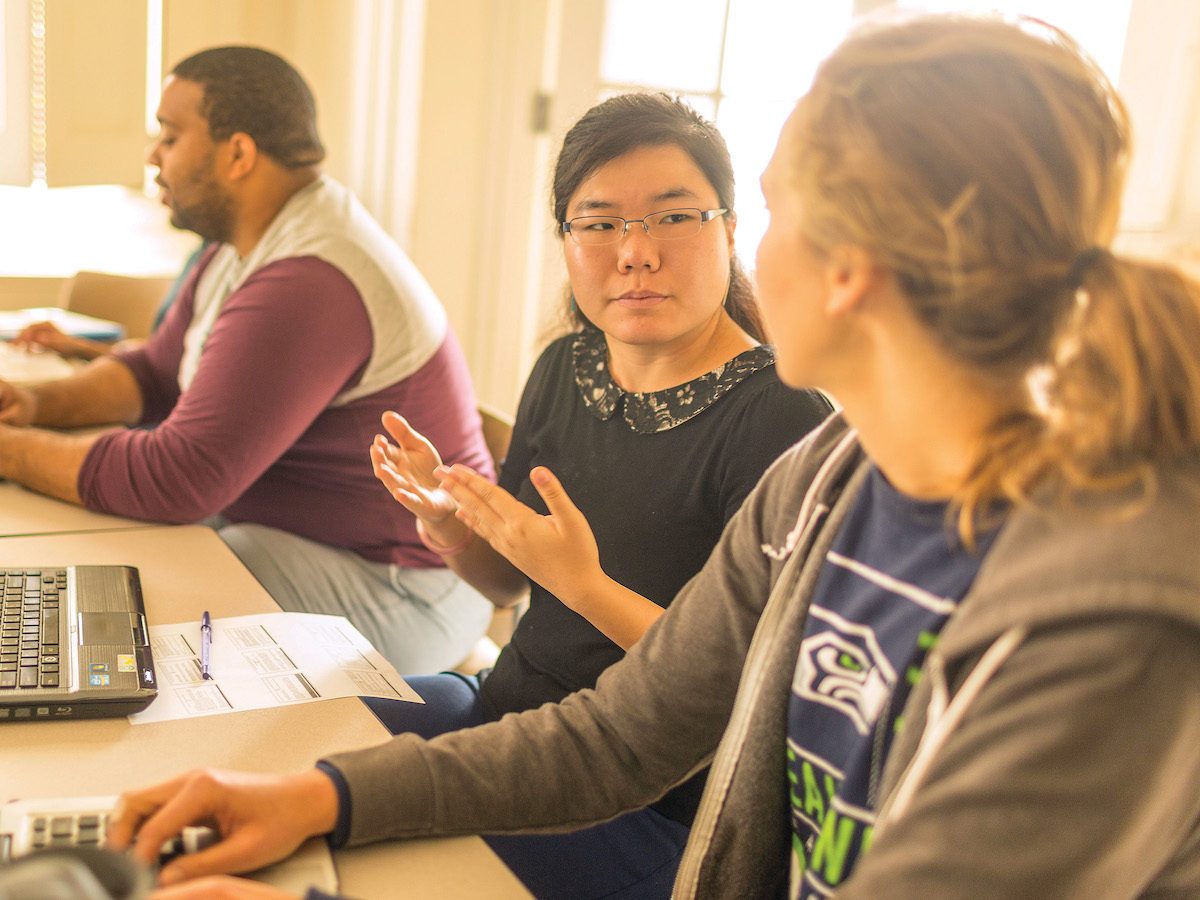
[558, 551]
[406, 468]
[260, 818]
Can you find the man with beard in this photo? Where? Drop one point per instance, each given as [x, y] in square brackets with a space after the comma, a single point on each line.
[297, 329]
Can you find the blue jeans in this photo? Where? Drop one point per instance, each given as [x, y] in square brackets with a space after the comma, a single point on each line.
[633, 857]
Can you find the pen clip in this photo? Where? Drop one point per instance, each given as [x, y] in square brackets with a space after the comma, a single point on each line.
[205, 647]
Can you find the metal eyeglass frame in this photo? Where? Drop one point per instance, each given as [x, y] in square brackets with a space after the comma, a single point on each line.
[706, 215]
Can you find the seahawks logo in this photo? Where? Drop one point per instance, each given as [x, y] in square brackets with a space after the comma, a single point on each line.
[844, 668]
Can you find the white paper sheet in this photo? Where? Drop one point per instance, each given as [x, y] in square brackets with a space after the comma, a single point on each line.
[265, 660]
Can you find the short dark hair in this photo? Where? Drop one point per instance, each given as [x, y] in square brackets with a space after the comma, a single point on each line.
[253, 91]
[630, 121]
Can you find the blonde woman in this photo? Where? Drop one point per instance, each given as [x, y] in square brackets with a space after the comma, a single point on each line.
[951, 644]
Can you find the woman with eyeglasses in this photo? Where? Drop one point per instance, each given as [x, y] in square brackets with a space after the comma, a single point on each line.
[950, 646]
[637, 437]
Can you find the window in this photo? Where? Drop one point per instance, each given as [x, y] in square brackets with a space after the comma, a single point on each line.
[74, 137]
[75, 106]
[14, 92]
[1099, 28]
[744, 63]
[3, 79]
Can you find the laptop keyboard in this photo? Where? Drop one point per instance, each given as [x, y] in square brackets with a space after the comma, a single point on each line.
[29, 627]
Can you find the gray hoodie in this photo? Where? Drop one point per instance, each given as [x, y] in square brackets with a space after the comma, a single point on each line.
[1052, 746]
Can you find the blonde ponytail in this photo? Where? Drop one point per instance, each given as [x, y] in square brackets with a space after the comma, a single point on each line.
[982, 165]
[1121, 393]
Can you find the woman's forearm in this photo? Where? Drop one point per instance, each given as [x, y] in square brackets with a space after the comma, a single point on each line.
[487, 571]
[619, 613]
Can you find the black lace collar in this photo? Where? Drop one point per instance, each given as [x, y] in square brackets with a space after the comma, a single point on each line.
[656, 411]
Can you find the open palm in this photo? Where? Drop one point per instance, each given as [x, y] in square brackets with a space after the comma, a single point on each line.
[406, 467]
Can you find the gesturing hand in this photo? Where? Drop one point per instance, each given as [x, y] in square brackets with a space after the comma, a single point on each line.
[406, 469]
[557, 551]
[261, 819]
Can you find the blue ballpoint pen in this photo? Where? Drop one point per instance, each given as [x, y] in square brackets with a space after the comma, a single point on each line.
[205, 646]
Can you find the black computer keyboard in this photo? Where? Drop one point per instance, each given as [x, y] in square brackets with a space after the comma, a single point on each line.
[29, 627]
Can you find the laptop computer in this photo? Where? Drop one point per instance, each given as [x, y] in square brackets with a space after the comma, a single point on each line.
[73, 643]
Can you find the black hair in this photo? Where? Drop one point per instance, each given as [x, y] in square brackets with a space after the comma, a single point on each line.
[253, 91]
[629, 121]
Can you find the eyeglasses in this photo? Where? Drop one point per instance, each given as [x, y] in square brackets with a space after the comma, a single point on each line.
[668, 225]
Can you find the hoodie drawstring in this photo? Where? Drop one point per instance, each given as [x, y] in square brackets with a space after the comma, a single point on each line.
[942, 717]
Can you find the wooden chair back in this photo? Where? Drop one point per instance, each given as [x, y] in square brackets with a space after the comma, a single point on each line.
[497, 432]
[129, 300]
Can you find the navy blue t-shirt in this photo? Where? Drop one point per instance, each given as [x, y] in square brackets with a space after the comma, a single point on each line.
[892, 578]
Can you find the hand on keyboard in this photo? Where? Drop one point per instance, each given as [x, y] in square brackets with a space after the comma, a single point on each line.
[190, 840]
[89, 828]
[262, 819]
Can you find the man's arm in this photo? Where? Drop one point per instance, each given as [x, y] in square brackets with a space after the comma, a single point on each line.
[43, 460]
[102, 393]
[284, 345]
[48, 335]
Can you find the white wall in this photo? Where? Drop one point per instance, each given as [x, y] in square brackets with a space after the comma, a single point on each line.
[1160, 84]
[481, 228]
